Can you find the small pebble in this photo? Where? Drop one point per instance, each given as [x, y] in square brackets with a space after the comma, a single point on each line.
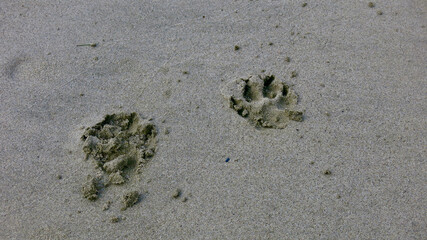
[106, 206]
[294, 74]
[176, 193]
[115, 219]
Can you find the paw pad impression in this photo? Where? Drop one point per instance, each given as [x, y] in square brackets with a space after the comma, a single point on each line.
[263, 100]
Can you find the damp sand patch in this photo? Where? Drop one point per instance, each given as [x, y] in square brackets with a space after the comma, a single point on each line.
[120, 146]
[263, 100]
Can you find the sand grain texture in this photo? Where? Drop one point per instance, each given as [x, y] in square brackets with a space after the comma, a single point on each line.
[360, 78]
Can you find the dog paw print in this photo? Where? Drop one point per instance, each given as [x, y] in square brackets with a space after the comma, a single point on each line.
[263, 100]
[120, 146]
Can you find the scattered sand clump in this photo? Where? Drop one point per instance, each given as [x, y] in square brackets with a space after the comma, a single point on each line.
[91, 188]
[130, 199]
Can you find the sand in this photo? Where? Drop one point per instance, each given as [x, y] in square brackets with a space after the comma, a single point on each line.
[354, 168]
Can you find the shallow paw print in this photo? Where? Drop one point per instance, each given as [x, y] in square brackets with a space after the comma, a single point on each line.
[263, 100]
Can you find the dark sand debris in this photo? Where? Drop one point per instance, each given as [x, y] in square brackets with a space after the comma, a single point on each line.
[130, 199]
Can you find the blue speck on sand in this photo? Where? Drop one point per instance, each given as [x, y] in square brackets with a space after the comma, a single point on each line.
[228, 159]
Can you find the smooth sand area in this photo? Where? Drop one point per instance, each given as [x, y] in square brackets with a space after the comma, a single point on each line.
[353, 168]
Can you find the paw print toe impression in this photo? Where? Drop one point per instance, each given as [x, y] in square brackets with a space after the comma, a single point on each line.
[263, 100]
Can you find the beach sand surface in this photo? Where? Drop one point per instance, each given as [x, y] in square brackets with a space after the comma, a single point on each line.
[354, 168]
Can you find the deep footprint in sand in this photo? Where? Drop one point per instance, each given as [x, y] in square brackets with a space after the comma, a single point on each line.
[121, 145]
[263, 100]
